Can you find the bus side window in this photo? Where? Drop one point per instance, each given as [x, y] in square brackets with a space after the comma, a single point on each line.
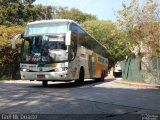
[72, 53]
[73, 49]
[74, 28]
[74, 39]
[82, 36]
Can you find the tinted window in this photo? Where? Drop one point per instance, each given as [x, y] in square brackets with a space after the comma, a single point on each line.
[74, 39]
[90, 43]
[74, 28]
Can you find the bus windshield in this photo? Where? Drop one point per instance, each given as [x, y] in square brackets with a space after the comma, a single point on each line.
[45, 28]
[45, 49]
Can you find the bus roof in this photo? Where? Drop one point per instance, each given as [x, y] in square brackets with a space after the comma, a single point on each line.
[54, 20]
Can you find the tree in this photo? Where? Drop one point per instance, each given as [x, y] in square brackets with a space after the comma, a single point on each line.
[9, 58]
[7, 55]
[110, 36]
[18, 12]
[28, 2]
[44, 12]
[11, 11]
[75, 14]
[141, 22]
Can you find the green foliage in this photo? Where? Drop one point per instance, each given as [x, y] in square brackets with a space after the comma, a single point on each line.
[44, 12]
[7, 55]
[141, 22]
[14, 12]
[28, 2]
[110, 36]
[75, 14]
[9, 58]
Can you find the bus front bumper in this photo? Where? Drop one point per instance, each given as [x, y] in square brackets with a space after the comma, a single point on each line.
[51, 76]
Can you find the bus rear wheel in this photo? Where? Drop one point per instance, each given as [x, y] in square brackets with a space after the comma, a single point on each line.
[101, 79]
[102, 76]
[81, 77]
[44, 83]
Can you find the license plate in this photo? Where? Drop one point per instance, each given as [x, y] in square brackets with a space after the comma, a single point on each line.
[40, 76]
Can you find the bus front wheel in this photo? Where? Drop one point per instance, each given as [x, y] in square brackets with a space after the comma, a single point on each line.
[44, 83]
[81, 77]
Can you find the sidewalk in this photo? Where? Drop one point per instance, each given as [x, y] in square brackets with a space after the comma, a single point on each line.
[136, 84]
[132, 83]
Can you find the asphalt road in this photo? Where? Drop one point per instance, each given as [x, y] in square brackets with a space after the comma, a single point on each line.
[92, 100]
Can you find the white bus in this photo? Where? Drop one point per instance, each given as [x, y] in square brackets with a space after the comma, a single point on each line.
[60, 50]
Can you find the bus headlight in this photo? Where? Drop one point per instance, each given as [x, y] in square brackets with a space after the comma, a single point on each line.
[24, 70]
[61, 69]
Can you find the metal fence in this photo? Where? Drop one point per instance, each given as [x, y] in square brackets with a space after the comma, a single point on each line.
[9, 72]
[141, 70]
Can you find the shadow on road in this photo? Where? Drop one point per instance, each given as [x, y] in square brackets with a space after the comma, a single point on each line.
[72, 84]
[114, 100]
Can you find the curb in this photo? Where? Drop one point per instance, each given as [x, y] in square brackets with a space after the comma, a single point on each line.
[137, 84]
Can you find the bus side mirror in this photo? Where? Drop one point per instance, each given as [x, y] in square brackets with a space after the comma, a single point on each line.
[14, 40]
[68, 38]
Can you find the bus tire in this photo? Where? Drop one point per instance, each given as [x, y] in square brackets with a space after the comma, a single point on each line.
[44, 83]
[101, 79]
[102, 75]
[81, 77]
